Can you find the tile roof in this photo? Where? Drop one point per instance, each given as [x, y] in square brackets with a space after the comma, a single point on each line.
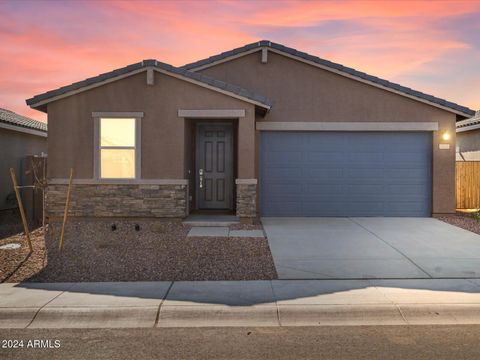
[465, 124]
[220, 85]
[361, 75]
[11, 118]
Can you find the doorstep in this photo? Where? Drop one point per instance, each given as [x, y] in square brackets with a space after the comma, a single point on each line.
[211, 220]
[223, 231]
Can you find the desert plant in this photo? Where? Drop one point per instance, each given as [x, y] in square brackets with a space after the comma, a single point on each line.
[476, 216]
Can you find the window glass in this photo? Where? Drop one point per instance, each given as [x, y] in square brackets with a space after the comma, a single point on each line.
[117, 148]
[117, 163]
[117, 132]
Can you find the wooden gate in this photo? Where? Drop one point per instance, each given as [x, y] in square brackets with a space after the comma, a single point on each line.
[468, 184]
[33, 199]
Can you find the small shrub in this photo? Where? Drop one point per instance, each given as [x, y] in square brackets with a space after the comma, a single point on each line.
[476, 216]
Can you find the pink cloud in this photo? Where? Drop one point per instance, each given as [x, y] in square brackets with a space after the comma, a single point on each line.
[50, 44]
[295, 13]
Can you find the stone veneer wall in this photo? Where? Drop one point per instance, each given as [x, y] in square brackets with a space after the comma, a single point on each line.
[118, 200]
[246, 200]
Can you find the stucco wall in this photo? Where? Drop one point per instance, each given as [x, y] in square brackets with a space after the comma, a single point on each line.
[468, 145]
[14, 147]
[305, 93]
[71, 127]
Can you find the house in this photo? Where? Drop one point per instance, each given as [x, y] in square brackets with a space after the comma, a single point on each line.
[20, 136]
[259, 130]
[468, 139]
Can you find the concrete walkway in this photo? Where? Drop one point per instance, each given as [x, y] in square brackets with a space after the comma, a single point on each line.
[223, 231]
[369, 248]
[240, 303]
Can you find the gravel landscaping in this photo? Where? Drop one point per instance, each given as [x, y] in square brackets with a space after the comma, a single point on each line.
[157, 251]
[10, 223]
[462, 220]
[18, 264]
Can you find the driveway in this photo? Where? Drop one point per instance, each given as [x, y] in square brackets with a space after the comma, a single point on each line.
[363, 248]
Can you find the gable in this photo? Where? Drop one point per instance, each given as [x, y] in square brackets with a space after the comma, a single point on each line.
[303, 92]
[150, 67]
[267, 47]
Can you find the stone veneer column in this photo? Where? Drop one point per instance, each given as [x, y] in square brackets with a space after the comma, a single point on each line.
[246, 199]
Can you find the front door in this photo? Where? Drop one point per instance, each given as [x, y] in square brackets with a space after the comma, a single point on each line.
[214, 166]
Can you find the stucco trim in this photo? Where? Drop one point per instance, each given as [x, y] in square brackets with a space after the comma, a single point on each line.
[212, 114]
[60, 181]
[120, 114]
[246, 181]
[264, 55]
[150, 77]
[347, 126]
[23, 130]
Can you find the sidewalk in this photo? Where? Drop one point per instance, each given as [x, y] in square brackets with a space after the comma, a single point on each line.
[240, 303]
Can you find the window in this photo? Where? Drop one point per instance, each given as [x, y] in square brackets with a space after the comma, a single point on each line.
[117, 150]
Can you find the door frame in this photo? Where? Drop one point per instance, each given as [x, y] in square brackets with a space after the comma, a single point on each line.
[233, 155]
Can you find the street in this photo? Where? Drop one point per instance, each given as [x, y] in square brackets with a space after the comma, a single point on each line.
[353, 342]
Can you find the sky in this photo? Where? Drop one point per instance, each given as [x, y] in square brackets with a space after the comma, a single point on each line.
[431, 46]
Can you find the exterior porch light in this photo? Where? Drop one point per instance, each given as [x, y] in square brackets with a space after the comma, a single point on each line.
[446, 136]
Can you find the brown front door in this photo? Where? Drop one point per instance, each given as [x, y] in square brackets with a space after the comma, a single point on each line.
[214, 166]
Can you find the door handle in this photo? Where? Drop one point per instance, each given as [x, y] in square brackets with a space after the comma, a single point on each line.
[200, 173]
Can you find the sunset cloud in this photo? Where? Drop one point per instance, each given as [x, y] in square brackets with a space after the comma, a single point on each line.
[431, 46]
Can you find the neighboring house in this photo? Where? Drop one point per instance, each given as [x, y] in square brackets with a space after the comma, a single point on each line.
[260, 130]
[468, 139]
[20, 136]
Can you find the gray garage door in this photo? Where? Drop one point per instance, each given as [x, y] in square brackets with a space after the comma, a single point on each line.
[346, 173]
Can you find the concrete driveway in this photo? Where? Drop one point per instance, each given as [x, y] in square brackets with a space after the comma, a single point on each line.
[363, 248]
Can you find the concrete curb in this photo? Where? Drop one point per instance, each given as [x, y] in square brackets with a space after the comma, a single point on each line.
[16, 318]
[218, 315]
[322, 315]
[238, 316]
[241, 303]
[95, 317]
[444, 314]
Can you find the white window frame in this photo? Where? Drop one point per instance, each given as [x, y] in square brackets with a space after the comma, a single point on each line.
[97, 145]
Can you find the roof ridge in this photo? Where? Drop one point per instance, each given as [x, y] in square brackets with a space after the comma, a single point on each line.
[336, 66]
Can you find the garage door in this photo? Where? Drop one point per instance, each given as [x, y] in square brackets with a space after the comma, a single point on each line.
[346, 173]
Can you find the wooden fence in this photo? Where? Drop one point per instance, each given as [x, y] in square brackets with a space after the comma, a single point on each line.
[468, 184]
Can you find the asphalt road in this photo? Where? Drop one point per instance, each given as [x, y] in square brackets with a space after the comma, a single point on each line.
[366, 342]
